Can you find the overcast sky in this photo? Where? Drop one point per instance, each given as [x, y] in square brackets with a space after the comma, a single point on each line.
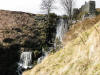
[33, 6]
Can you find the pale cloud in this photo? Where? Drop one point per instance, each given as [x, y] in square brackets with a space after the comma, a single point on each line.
[21, 5]
[33, 6]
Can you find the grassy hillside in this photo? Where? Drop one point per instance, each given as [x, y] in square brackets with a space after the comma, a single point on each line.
[20, 31]
[80, 54]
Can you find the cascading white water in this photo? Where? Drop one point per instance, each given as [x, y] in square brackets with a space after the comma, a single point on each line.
[42, 57]
[26, 57]
[60, 31]
[62, 27]
[25, 62]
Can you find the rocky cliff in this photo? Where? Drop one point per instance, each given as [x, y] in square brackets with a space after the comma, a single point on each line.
[20, 31]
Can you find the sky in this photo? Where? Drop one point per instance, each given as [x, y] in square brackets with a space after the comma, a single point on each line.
[33, 6]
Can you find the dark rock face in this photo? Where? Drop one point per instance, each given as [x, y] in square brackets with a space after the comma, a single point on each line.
[51, 30]
[8, 58]
[21, 31]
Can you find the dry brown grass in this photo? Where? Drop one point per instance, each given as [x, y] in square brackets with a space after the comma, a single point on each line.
[98, 9]
[75, 58]
[79, 27]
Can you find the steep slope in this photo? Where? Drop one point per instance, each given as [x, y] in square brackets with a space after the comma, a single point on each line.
[21, 26]
[79, 56]
[20, 31]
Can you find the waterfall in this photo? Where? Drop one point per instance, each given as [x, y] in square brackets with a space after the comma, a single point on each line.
[25, 62]
[44, 54]
[62, 27]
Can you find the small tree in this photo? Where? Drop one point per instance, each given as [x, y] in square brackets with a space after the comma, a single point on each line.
[47, 5]
[68, 8]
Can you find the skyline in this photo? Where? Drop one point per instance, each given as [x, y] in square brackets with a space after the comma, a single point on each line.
[33, 6]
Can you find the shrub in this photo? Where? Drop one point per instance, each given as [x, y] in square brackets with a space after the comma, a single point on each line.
[8, 40]
[17, 29]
